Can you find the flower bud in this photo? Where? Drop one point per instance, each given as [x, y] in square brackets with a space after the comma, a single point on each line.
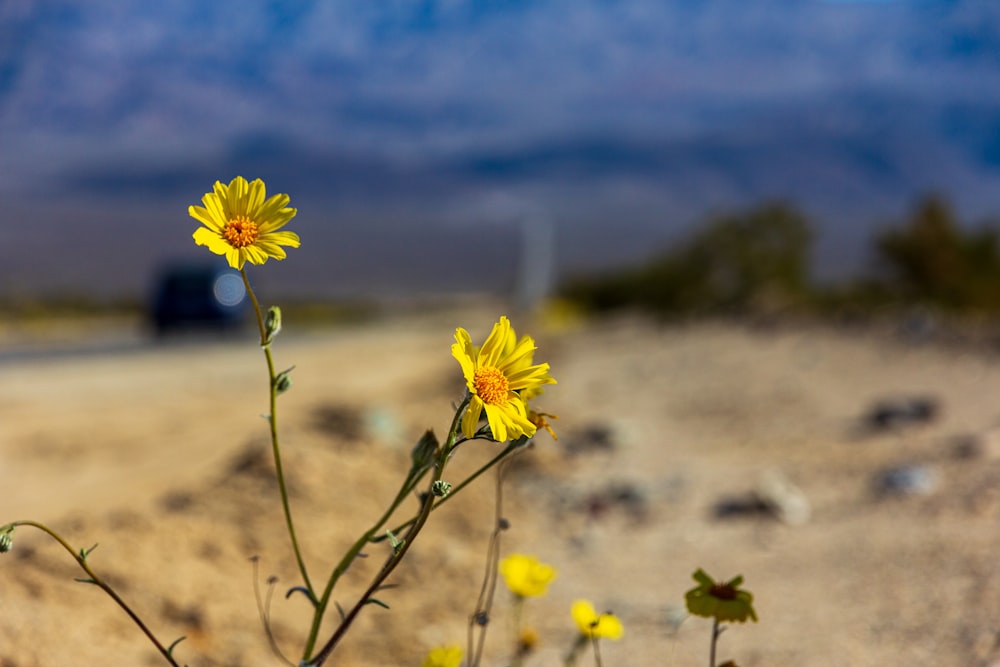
[425, 450]
[6, 541]
[283, 381]
[440, 488]
[272, 324]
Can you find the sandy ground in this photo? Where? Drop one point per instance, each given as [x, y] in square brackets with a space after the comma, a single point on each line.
[159, 454]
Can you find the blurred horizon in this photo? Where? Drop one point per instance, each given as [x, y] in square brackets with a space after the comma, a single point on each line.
[423, 142]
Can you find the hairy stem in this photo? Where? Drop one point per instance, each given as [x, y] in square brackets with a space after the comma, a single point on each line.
[511, 446]
[81, 558]
[414, 476]
[715, 639]
[484, 605]
[275, 445]
[400, 548]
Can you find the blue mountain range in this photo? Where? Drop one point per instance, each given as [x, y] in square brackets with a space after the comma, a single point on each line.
[413, 135]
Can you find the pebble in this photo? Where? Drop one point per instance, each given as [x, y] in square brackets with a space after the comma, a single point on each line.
[907, 480]
[783, 499]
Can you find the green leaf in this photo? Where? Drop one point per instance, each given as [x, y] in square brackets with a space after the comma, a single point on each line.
[377, 601]
[397, 544]
[170, 649]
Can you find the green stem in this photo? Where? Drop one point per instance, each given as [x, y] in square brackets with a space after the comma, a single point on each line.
[715, 638]
[81, 558]
[398, 551]
[275, 446]
[511, 446]
[517, 612]
[404, 492]
[480, 618]
[597, 651]
[574, 650]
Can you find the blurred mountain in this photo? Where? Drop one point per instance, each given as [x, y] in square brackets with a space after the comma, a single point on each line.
[411, 135]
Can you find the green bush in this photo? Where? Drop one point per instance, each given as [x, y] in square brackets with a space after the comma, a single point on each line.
[738, 263]
[931, 261]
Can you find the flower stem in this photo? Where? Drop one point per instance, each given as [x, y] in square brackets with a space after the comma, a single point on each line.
[511, 446]
[480, 618]
[597, 651]
[400, 547]
[517, 612]
[275, 446]
[405, 489]
[81, 558]
[574, 650]
[715, 638]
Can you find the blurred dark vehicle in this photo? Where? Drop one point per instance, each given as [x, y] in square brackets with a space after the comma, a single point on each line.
[198, 297]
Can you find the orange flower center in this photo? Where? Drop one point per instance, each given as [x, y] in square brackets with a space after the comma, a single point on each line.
[491, 385]
[240, 232]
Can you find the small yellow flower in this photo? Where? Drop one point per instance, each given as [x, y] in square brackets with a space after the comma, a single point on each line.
[592, 624]
[444, 656]
[526, 576]
[240, 224]
[723, 602]
[496, 374]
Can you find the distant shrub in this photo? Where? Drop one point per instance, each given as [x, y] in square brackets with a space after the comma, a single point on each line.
[741, 262]
[931, 260]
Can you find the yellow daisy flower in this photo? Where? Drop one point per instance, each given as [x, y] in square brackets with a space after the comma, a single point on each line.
[444, 656]
[723, 602]
[242, 225]
[495, 374]
[592, 624]
[526, 576]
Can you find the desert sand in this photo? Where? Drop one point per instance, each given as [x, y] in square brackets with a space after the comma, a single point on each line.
[159, 454]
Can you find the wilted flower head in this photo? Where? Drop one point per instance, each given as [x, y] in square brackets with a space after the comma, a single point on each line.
[594, 625]
[496, 374]
[538, 418]
[723, 602]
[240, 224]
[527, 641]
[526, 576]
[444, 656]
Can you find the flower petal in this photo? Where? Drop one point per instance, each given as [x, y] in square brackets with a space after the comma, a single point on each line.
[491, 351]
[235, 258]
[498, 424]
[255, 197]
[470, 420]
[205, 217]
[274, 206]
[463, 352]
[530, 377]
[282, 238]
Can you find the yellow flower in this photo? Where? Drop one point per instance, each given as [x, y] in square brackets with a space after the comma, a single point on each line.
[444, 656]
[526, 576]
[592, 624]
[723, 602]
[242, 225]
[496, 373]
